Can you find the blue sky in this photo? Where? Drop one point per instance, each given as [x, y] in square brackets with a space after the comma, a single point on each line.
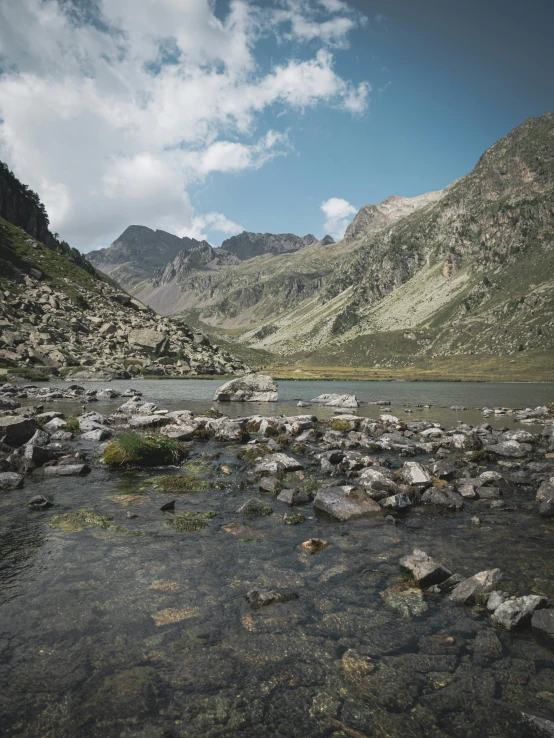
[204, 119]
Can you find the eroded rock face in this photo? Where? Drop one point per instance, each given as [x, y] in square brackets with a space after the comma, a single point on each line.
[251, 388]
[424, 569]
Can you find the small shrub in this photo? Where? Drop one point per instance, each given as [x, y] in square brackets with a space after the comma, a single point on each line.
[134, 449]
[480, 455]
[72, 425]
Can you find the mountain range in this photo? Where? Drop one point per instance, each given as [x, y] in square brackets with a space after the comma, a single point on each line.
[455, 276]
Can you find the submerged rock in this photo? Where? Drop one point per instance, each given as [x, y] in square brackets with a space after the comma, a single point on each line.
[254, 508]
[424, 569]
[314, 545]
[251, 388]
[40, 502]
[542, 624]
[257, 598]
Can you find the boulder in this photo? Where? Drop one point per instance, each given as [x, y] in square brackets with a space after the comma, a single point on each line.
[516, 612]
[398, 503]
[15, 431]
[333, 400]
[40, 502]
[424, 569]
[274, 463]
[542, 624]
[271, 485]
[482, 583]
[251, 388]
[443, 498]
[10, 480]
[225, 429]
[510, 449]
[415, 475]
[55, 424]
[294, 496]
[546, 491]
[98, 435]
[67, 470]
[179, 432]
[149, 421]
[345, 503]
[150, 340]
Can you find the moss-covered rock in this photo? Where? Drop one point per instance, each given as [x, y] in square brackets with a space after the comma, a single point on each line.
[134, 449]
[79, 520]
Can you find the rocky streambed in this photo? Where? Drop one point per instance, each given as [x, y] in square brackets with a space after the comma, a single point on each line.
[166, 573]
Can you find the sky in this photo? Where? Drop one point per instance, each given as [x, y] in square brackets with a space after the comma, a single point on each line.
[208, 117]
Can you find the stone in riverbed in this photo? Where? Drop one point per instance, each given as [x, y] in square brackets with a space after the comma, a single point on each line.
[406, 602]
[516, 612]
[274, 463]
[254, 508]
[424, 569]
[40, 502]
[398, 503]
[443, 498]
[257, 598]
[334, 400]
[474, 587]
[510, 449]
[66, 470]
[314, 545]
[251, 388]
[546, 508]
[542, 624]
[546, 490]
[15, 431]
[415, 475]
[10, 480]
[149, 421]
[345, 503]
[293, 496]
[271, 485]
[98, 435]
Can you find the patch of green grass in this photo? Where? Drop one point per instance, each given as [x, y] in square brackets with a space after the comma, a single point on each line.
[340, 425]
[179, 484]
[134, 449]
[79, 520]
[33, 375]
[251, 453]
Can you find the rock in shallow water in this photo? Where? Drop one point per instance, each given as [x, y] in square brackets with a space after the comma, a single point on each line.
[518, 612]
[482, 583]
[67, 470]
[425, 570]
[345, 503]
[10, 480]
[257, 598]
[252, 388]
[542, 624]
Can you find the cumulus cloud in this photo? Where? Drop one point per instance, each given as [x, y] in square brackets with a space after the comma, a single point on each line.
[338, 214]
[213, 222]
[114, 110]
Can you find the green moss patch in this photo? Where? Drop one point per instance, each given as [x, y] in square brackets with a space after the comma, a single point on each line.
[135, 449]
[79, 520]
[191, 522]
[181, 484]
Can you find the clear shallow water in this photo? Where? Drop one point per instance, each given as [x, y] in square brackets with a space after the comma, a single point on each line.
[144, 631]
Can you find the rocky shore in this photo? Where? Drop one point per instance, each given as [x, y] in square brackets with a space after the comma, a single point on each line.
[415, 636]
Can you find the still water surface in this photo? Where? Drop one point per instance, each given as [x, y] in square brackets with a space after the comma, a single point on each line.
[139, 630]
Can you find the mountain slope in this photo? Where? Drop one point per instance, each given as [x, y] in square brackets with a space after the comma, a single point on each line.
[248, 245]
[138, 253]
[59, 315]
[463, 272]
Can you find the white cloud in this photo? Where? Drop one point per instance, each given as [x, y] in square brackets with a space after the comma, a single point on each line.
[213, 222]
[113, 110]
[338, 214]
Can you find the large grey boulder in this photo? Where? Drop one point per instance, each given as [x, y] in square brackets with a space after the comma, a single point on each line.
[16, 431]
[10, 480]
[149, 421]
[424, 569]
[546, 491]
[274, 463]
[225, 429]
[517, 612]
[251, 388]
[148, 339]
[67, 470]
[345, 503]
[443, 498]
[480, 584]
[510, 449]
[415, 475]
[542, 624]
[334, 400]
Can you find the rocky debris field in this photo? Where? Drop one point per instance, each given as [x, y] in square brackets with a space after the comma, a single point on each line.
[359, 586]
[94, 330]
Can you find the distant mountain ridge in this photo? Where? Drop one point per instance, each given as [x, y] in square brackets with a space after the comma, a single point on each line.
[249, 245]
